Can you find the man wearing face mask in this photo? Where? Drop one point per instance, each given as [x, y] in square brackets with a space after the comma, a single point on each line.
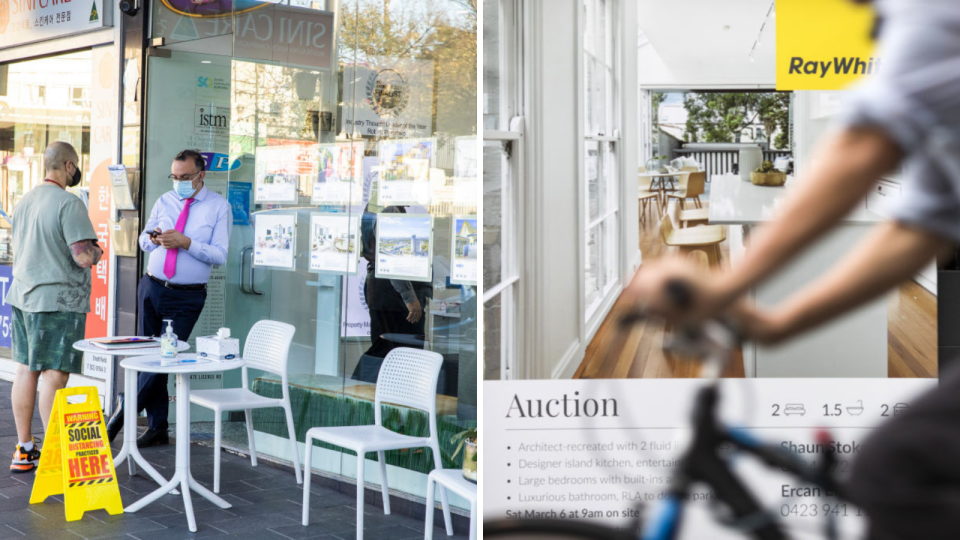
[188, 233]
[55, 246]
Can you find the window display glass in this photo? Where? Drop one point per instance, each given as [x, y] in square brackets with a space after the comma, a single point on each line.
[347, 153]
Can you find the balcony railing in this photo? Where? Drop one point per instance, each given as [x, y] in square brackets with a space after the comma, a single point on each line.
[722, 161]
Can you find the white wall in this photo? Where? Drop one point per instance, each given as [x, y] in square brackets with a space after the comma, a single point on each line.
[556, 338]
[552, 269]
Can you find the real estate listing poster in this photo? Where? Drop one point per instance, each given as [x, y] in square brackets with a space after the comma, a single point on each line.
[463, 256]
[405, 171]
[275, 240]
[277, 178]
[465, 171]
[340, 178]
[334, 243]
[404, 246]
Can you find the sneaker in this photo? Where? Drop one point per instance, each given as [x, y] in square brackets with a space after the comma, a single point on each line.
[24, 462]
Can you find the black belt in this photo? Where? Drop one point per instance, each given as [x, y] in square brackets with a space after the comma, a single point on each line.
[178, 286]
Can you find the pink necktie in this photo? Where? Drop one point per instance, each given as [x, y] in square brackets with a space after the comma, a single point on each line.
[170, 263]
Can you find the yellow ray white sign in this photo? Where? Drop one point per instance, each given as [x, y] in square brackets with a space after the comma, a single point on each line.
[824, 44]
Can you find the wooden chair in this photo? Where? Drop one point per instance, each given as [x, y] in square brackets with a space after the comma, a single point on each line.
[692, 190]
[647, 197]
[706, 238]
[694, 217]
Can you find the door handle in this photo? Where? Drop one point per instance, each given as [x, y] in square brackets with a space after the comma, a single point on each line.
[243, 257]
[253, 288]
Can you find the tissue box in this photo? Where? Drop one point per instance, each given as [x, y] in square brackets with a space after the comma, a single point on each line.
[218, 348]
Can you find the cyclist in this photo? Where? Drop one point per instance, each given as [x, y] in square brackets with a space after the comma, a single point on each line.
[907, 115]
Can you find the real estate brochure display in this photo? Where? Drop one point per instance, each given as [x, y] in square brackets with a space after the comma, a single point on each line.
[334, 243]
[463, 256]
[121, 188]
[465, 171]
[405, 171]
[275, 240]
[404, 246]
[340, 177]
[277, 175]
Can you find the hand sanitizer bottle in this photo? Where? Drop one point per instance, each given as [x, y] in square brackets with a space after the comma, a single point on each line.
[168, 341]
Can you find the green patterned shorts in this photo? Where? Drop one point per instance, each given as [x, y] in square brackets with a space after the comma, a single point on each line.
[45, 340]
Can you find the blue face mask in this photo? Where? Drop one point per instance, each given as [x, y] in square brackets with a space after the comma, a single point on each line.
[184, 188]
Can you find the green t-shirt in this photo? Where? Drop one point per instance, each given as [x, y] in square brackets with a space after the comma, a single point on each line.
[45, 277]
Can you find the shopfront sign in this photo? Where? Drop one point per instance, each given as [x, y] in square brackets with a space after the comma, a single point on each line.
[6, 313]
[103, 146]
[824, 44]
[26, 21]
[292, 36]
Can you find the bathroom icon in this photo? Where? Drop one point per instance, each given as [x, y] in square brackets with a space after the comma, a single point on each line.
[856, 411]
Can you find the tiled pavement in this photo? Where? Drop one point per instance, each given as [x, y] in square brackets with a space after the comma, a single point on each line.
[266, 502]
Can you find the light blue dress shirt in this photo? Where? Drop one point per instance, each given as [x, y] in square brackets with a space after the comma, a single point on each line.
[208, 228]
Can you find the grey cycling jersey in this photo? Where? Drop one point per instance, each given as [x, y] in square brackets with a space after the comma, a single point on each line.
[915, 98]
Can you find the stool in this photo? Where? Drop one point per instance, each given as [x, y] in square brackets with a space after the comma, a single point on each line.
[453, 480]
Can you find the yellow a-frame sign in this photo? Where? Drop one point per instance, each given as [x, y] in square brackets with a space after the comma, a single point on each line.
[76, 459]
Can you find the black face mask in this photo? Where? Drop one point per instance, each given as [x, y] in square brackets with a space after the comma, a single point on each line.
[75, 179]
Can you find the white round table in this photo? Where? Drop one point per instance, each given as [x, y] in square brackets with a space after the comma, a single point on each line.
[129, 448]
[188, 365]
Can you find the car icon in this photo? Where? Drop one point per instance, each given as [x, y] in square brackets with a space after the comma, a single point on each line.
[794, 408]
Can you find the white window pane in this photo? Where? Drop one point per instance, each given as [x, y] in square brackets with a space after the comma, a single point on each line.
[611, 251]
[494, 169]
[592, 274]
[595, 185]
[610, 177]
[492, 324]
[491, 64]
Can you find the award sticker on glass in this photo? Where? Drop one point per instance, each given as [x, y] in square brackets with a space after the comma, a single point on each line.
[463, 256]
[404, 246]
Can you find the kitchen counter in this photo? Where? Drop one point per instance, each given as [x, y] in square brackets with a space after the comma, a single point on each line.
[852, 346]
[735, 202]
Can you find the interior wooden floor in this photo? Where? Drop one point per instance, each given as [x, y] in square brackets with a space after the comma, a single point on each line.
[637, 352]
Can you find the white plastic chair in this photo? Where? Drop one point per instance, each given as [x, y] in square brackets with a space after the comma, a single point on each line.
[408, 377]
[267, 348]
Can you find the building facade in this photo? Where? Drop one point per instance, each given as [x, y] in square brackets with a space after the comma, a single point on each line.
[299, 109]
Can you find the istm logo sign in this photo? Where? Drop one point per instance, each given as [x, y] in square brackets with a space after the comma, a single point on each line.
[216, 162]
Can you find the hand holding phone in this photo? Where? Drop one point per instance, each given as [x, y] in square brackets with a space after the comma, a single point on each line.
[154, 236]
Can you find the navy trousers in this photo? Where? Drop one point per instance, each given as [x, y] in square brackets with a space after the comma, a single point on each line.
[156, 303]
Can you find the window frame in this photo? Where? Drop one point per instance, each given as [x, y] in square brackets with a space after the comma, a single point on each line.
[509, 133]
[610, 214]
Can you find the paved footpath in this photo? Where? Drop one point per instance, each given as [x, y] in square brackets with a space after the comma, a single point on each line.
[266, 502]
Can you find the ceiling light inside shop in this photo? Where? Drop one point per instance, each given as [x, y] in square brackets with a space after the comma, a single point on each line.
[206, 62]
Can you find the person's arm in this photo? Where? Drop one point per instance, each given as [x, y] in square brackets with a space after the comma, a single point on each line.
[893, 253]
[213, 252]
[849, 162]
[147, 243]
[409, 295]
[79, 234]
[85, 253]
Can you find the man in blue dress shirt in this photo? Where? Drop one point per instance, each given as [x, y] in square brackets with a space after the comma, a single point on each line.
[187, 234]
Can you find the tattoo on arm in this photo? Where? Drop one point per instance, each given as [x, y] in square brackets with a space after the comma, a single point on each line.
[85, 253]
